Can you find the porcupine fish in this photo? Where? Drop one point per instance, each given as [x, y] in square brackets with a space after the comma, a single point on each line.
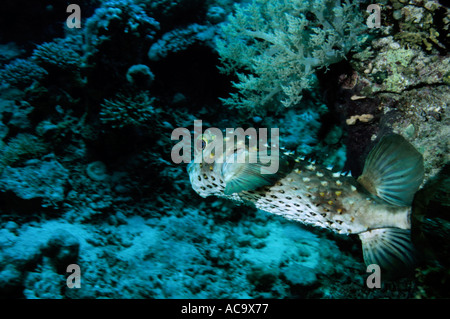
[376, 206]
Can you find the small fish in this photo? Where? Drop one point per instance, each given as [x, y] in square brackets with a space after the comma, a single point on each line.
[376, 206]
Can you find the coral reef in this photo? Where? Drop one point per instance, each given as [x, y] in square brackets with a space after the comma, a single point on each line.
[180, 39]
[274, 48]
[60, 54]
[410, 97]
[116, 19]
[9, 51]
[22, 73]
[140, 75]
[21, 147]
[125, 111]
[45, 181]
[396, 68]
[115, 25]
[423, 24]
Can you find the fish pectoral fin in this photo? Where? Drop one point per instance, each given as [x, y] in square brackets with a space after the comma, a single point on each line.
[393, 171]
[249, 176]
[389, 248]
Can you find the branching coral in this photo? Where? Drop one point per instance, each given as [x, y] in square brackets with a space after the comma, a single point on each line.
[274, 48]
[22, 73]
[181, 39]
[123, 110]
[60, 53]
[421, 24]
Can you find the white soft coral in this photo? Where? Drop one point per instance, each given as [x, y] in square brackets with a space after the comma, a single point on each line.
[274, 48]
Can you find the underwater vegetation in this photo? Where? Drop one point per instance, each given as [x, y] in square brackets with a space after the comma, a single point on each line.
[87, 114]
[275, 46]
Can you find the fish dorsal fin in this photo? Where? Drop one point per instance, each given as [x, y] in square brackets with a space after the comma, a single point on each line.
[389, 248]
[393, 171]
[249, 176]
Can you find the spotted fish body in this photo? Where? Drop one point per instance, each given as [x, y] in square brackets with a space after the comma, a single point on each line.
[313, 195]
[317, 196]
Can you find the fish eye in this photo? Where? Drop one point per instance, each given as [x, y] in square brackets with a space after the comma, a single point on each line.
[204, 143]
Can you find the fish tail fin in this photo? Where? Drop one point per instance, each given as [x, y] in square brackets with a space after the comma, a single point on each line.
[389, 248]
[393, 171]
[430, 218]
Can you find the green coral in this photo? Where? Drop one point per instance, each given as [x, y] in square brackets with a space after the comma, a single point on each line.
[274, 48]
[396, 68]
[397, 61]
[21, 147]
[421, 24]
[128, 110]
[446, 78]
